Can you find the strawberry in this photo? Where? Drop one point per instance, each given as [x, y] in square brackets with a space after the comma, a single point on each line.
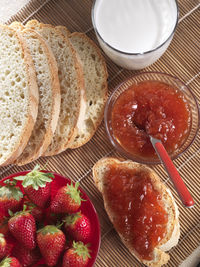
[77, 256]
[66, 200]
[10, 262]
[10, 243]
[25, 256]
[3, 245]
[3, 223]
[52, 218]
[22, 227]
[37, 186]
[51, 242]
[68, 243]
[10, 196]
[78, 226]
[36, 211]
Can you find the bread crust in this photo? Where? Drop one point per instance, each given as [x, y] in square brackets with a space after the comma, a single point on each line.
[82, 96]
[33, 98]
[77, 143]
[56, 98]
[173, 232]
[63, 144]
[63, 30]
[17, 25]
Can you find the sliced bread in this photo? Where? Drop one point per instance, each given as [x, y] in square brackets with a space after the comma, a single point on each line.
[71, 85]
[18, 95]
[49, 96]
[63, 30]
[171, 237]
[17, 25]
[95, 76]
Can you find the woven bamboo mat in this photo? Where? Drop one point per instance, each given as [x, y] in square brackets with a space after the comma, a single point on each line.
[181, 59]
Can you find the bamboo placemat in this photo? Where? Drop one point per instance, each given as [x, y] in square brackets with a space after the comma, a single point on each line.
[182, 59]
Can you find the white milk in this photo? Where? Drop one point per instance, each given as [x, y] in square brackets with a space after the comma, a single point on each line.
[134, 26]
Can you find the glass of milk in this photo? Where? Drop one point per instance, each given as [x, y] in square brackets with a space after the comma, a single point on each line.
[134, 33]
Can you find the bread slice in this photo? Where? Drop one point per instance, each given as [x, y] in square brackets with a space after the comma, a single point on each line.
[49, 95]
[173, 229]
[80, 121]
[18, 94]
[63, 30]
[95, 76]
[17, 25]
[71, 84]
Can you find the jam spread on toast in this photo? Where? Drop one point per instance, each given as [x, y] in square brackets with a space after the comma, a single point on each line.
[137, 209]
[154, 108]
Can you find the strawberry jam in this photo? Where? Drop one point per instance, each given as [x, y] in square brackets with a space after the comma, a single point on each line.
[154, 108]
[136, 208]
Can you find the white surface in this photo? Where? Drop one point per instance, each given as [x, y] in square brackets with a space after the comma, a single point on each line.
[134, 26]
[10, 7]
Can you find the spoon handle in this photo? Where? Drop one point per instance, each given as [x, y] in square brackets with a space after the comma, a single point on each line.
[174, 175]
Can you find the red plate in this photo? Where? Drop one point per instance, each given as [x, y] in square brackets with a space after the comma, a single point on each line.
[86, 208]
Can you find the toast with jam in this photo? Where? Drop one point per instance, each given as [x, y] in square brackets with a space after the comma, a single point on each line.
[141, 208]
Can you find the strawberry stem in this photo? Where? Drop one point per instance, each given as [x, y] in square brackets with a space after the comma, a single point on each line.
[48, 229]
[10, 191]
[24, 211]
[81, 249]
[72, 218]
[10, 213]
[74, 192]
[35, 178]
[59, 225]
[10, 182]
[6, 262]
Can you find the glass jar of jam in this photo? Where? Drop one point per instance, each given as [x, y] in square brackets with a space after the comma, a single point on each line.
[150, 108]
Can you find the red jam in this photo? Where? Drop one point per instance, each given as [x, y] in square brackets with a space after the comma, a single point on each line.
[154, 108]
[136, 208]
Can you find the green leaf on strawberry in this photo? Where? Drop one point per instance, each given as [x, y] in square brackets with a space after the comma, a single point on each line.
[5, 262]
[49, 229]
[9, 262]
[24, 211]
[78, 255]
[74, 192]
[10, 192]
[81, 249]
[10, 182]
[71, 219]
[35, 178]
